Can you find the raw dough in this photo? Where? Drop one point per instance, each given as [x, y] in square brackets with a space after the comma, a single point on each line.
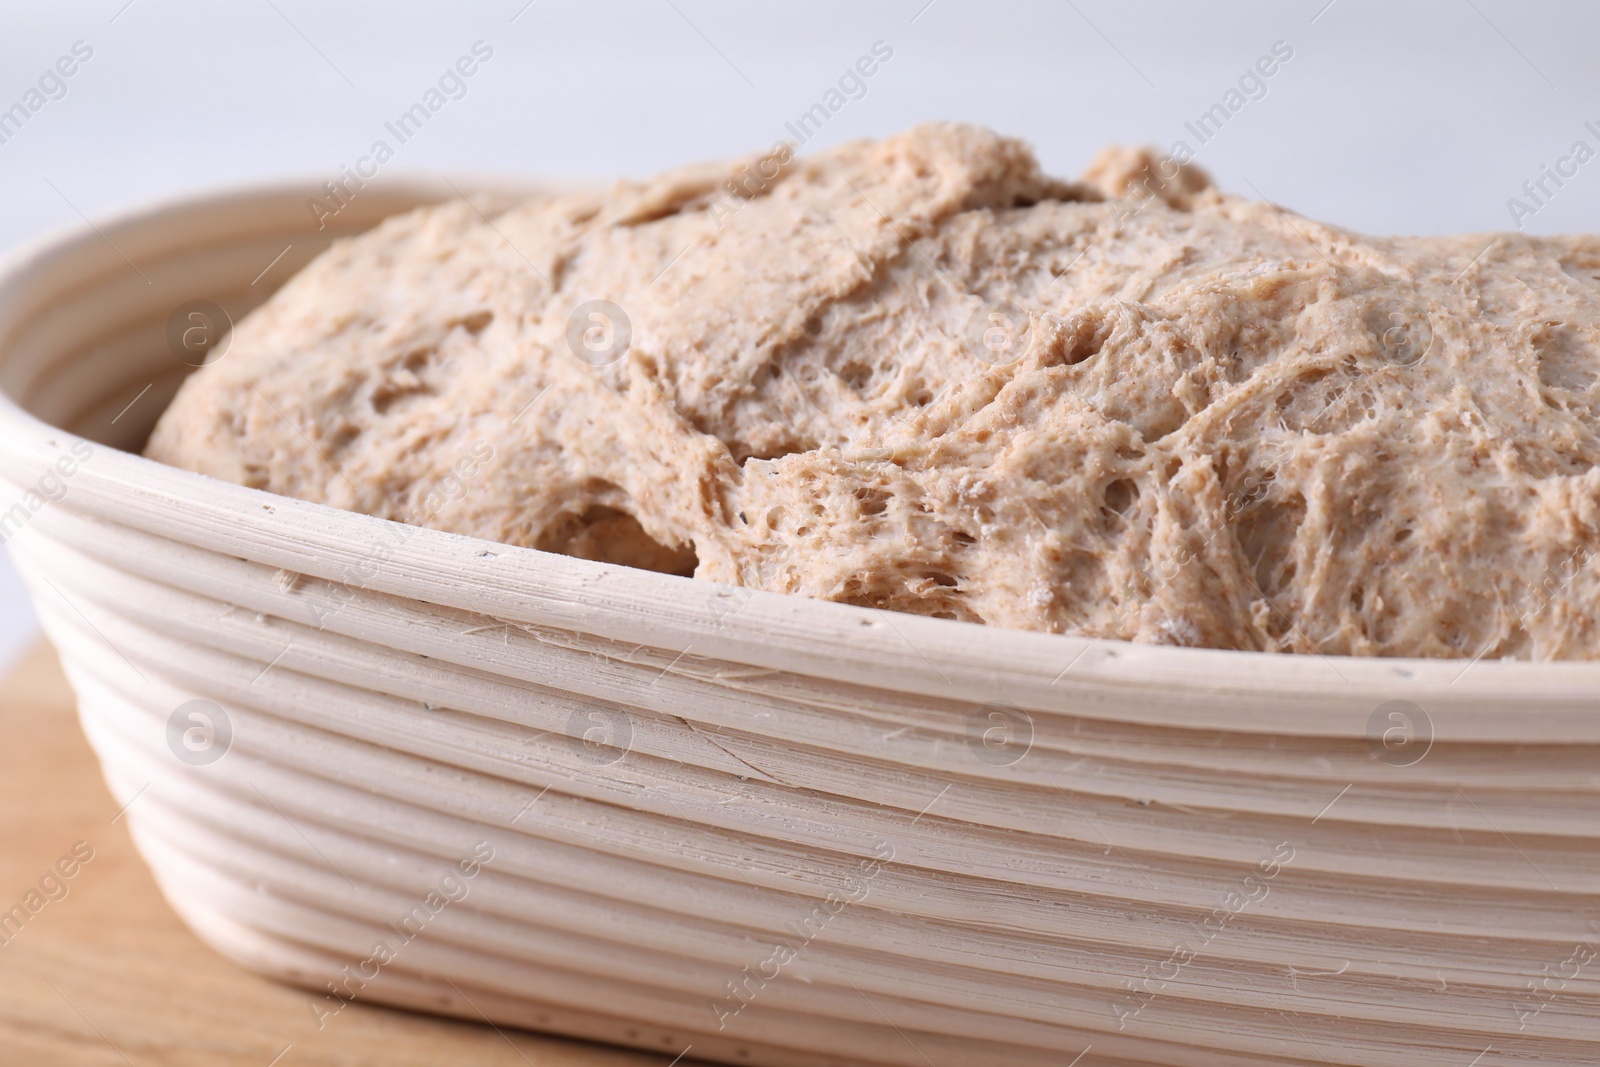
[919, 374]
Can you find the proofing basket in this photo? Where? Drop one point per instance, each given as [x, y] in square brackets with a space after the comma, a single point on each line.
[413, 768]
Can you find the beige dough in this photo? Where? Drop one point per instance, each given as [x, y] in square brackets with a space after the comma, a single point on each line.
[919, 374]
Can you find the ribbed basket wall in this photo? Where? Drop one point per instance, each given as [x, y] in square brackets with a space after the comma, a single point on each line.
[487, 781]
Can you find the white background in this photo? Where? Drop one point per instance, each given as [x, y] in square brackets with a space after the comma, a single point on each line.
[1416, 118]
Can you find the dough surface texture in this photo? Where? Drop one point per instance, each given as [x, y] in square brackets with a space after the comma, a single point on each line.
[922, 375]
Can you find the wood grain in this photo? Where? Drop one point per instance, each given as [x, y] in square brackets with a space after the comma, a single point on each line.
[109, 976]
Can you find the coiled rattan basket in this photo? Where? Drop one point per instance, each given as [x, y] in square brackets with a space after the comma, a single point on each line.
[419, 769]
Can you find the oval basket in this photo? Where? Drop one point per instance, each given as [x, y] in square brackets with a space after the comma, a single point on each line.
[420, 769]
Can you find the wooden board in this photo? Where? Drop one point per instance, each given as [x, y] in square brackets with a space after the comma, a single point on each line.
[107, 975]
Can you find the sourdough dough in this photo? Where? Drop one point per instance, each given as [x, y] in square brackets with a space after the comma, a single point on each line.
[919, 374]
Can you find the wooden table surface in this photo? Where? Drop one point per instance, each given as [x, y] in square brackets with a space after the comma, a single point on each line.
[107, 975]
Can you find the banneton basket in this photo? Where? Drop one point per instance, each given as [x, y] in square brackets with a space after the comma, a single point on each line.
[406, 767]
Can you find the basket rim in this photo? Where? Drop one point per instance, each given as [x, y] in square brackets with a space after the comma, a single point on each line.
[860, 642]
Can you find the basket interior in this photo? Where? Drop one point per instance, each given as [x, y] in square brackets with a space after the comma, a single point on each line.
[85, 331]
